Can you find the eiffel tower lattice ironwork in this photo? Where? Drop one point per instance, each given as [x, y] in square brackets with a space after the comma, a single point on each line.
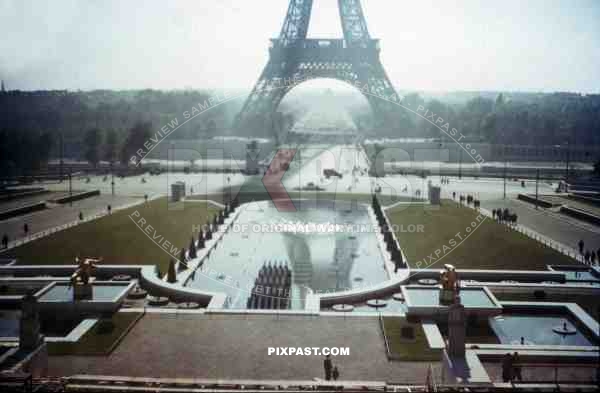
[293, 59]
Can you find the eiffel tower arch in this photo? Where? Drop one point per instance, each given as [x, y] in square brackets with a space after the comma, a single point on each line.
[293, 59]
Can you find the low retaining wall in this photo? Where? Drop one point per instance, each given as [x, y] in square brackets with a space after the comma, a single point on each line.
[9, 196]
[580, 214]
[496, 275]
[102, 272]
[19, 211]
[585, 198]
[531, 199]
[76, 197]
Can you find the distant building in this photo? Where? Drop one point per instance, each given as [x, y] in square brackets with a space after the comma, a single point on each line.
[252, 158]
[177, 191]
[434, 193]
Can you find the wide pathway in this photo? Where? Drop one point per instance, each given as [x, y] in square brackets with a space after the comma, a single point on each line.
[553, 225]
[59, 216]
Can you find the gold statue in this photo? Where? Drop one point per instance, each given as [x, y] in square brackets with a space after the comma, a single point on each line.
[450, 284]
[84, 270]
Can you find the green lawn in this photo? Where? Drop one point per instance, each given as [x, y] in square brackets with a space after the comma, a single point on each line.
[408, 349]
[490, 246]
[119, 240]
[99, 340]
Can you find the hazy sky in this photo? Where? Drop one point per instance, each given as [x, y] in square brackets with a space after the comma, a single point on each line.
[540, 45]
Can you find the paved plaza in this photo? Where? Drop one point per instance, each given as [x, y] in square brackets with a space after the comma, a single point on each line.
[59, 215]
[235, 346]
[556, 226]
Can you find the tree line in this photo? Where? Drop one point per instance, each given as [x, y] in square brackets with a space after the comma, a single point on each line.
[504, 118]
[106, 125]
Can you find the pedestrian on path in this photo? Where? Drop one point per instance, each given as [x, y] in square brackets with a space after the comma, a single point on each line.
[507, 368]
[5, 241]
[336, 373]
[516, 370]
[587, 256]
[581, 245]
[327, 366]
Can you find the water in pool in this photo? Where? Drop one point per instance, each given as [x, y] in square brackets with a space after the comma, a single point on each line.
[536, 330]
[581, 275]
[320, 260]
[63, 292]
[425, 297]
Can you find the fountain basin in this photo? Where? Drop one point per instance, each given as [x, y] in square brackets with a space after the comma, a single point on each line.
[424, 301]
[107, 296]
[538, 329]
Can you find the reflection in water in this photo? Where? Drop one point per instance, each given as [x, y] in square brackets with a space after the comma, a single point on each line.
[320, 259]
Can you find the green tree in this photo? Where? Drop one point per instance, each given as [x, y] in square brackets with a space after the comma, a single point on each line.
[92, 143]
[45, 145]
[111, 146]
[138, 135]
[211, 128]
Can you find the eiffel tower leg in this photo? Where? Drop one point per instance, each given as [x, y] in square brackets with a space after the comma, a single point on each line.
[381, 95]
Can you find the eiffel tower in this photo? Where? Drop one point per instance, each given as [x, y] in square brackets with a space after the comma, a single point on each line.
[293, 59]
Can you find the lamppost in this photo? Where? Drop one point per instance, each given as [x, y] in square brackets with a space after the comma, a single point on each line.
[460, 163]
[504, 197]
[62, 154]
[70, 188]
[567, 163]
[112, 179]
[537, 179]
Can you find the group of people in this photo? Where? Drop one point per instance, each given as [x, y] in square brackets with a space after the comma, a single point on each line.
[511, 369]
[589, 257]
[504, 216]
[330, 370]
[445, 180]
[469, 199]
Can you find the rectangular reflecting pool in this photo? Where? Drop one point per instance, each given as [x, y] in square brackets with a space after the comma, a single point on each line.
[537, 330]
[430, 297]
[329, 246]
[62, 292]
[584, 276]
[9, 323]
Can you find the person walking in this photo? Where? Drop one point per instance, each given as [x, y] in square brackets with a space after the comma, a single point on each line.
[516, 368]
[335, 373]
[507, 368]
[581, 245]
[327, 366]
